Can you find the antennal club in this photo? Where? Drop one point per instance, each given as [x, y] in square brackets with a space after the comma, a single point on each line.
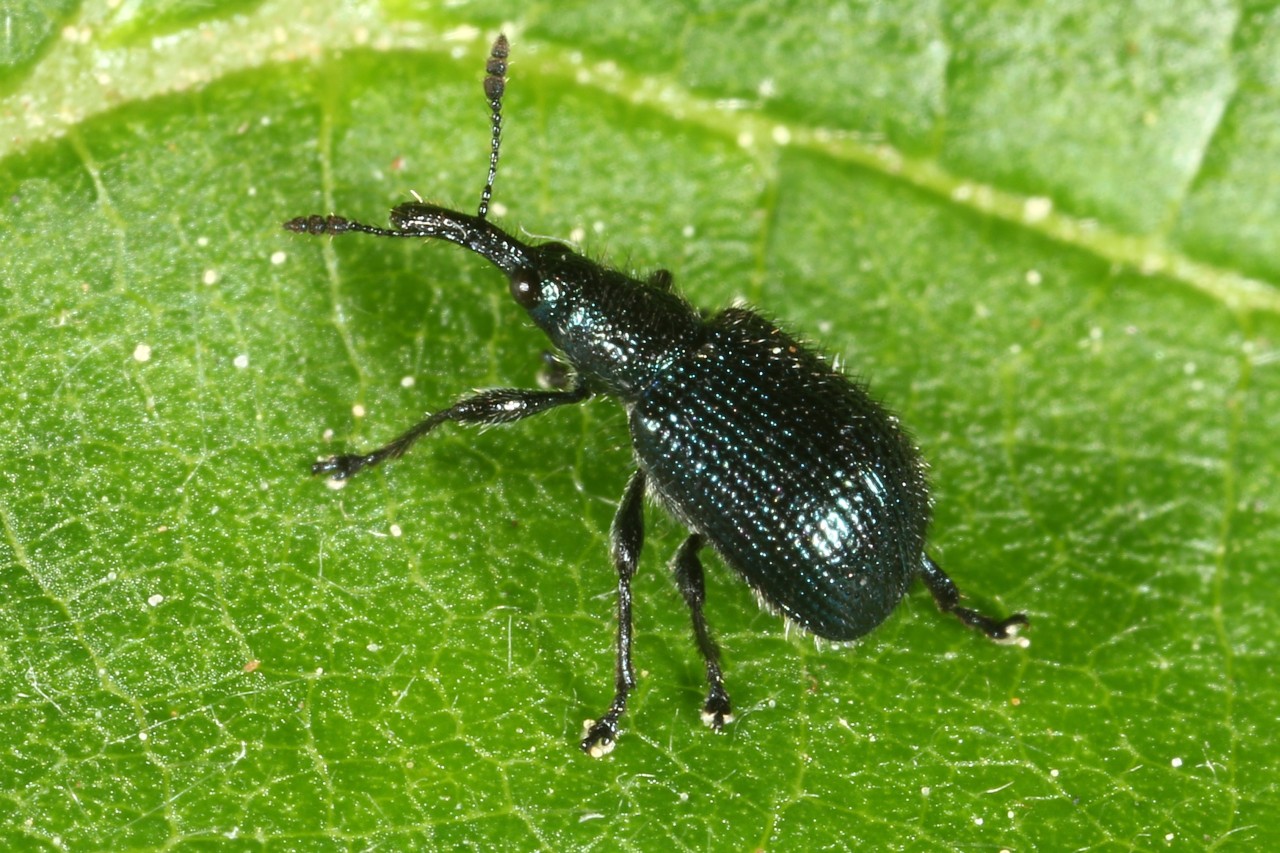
[495, 84]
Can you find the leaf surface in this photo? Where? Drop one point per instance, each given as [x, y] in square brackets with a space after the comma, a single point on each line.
[1045, 235]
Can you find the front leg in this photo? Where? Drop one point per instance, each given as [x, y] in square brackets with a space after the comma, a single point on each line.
[496, 406]
[626, 539]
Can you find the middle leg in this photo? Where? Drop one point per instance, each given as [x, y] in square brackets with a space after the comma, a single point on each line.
[626, 538]
[688, 571]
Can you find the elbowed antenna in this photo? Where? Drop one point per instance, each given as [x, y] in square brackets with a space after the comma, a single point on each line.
[495, 85]
[418, 219]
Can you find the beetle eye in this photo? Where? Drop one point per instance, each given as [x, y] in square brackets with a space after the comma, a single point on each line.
[526, 288]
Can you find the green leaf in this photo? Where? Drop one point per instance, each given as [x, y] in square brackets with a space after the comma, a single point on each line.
[1044, 232]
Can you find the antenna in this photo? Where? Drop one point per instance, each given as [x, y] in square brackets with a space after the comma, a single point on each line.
[495, 84]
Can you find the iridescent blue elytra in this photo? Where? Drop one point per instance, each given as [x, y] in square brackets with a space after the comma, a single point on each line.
[798, 479]
[789, 470]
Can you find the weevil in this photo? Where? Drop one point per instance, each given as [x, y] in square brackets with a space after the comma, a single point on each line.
[789, 470]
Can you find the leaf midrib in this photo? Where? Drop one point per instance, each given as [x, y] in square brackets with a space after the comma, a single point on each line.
[48, 106]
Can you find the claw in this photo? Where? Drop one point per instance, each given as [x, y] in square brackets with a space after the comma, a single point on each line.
[600, 737]
[338, 467]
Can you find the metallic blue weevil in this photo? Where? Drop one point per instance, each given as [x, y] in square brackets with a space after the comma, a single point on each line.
[784, 466]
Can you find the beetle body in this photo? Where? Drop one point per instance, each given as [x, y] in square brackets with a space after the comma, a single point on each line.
[803, 484]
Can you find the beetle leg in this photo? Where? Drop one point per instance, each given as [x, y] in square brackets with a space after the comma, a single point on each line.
[487, 408]
[947, 596]
[688, 571]
[626, 538]
[660, 279]
[556, 373]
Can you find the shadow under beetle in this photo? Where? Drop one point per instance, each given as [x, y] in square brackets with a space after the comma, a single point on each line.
[804, 485]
